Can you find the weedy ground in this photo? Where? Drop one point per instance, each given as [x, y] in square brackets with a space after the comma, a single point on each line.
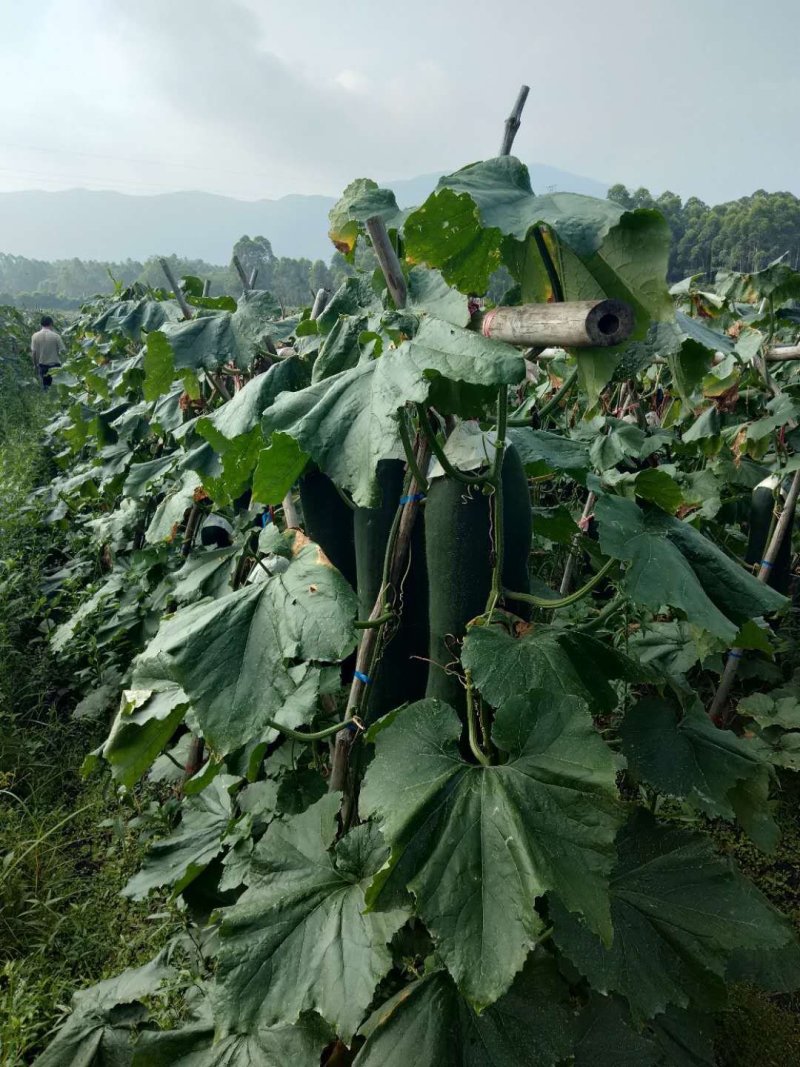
[66, 852]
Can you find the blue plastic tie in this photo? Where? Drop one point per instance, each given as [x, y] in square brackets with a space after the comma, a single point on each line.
[266, 519]
[412, 498]
[362, 677]
[765, 563]
[734, 654]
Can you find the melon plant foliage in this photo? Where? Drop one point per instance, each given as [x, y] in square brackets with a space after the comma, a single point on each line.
[515, 867]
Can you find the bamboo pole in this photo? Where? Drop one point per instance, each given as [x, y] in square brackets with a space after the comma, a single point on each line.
[290, 513]
[513, 121]
[253, 277]
[572, 559]
[218, 384]
[783, 352]
[782, 529]
[183, 304]
[206, 287]
[387, 258]
[240, 271]
[571, 324]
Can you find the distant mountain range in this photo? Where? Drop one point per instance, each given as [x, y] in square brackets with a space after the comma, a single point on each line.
[87, 224]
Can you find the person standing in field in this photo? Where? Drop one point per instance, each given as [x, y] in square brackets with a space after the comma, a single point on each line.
[46, 349]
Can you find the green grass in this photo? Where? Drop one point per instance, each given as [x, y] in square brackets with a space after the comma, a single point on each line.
[64, 853]
[759, 1028]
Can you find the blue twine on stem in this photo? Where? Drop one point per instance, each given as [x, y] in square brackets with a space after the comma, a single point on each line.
[734, 654]
[765, 563]
[412, 498]
[362, 677]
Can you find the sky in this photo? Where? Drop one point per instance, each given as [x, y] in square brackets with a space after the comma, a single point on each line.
[259, 98]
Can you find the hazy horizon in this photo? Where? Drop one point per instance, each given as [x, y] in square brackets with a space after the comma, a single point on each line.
[259, 100]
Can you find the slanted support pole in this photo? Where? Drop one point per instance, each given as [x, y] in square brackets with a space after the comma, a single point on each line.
[183, 304]
[241, 272]
[513, 122]
[387, 258]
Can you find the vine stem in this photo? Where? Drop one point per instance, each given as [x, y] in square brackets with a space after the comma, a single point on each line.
[572, 559]
[394, 564]
[496, 479]
[298, 735]
[611, 608]
[563, 602]
[472, 731]
[735, 654]
[408, 448]
[452, 472]
[563, 390]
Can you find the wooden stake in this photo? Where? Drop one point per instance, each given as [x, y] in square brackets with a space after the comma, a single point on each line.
[782, 529]
[253, 277]
[216, 381]
[290, 512]
[783, 352]
[513, 122]
[572, 324]
[183, 304]
[206, 287]
[240, 271]
[320, 301]
[387, 258]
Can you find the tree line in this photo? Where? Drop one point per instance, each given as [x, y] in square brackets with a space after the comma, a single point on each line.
[67, 283]
[742, 235]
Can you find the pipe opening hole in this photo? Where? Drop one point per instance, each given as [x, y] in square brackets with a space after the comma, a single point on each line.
[608, 324]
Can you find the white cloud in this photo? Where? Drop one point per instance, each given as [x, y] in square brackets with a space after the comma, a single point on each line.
[353, 81]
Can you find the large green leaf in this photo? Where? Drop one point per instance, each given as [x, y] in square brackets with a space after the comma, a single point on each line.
[608, 1037]
[477, 846]
[242, 413]
[484, 216]
[348, 422]
[131, 317]
[234, 430]
[206, 574]
[722, 775]
[361, 200]
[178, 859]
[673, 564]
[779, 707]
[275, 1046]
[104, 1020]
[145, 723]
[170, 512]
[666, 648]
[209, 340]
[679, 912]
[542, 451]
[298, 939]
[251, 655]
[429, 1022]
[562, 662]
